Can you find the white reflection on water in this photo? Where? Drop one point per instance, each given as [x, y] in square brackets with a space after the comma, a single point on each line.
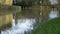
[53, 2]
[53, 14]
[23, 25]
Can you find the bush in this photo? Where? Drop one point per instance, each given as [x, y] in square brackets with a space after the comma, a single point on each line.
[49, 27]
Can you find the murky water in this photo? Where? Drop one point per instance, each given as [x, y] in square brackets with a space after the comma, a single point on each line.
[23, 25]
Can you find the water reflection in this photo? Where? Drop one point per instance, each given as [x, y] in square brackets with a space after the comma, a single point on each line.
[53, 14]
[20, 26]
[53, 2]
[23, 25]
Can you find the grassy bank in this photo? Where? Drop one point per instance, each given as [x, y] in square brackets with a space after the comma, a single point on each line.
[48, 27]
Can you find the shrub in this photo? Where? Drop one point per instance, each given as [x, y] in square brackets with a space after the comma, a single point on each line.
[48, 27]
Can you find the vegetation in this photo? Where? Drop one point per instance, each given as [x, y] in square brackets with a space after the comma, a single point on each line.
[48, 27]
[23, 3]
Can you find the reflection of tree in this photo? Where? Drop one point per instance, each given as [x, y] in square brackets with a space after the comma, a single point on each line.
[45, 2]
[24, 3]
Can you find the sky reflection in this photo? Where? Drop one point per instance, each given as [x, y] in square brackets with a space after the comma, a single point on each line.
[53, 14]
[53, 2]
[23, 25]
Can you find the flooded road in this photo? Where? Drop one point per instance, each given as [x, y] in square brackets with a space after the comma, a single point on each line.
[26, 21]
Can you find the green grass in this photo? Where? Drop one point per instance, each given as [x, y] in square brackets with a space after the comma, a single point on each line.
[48, 27]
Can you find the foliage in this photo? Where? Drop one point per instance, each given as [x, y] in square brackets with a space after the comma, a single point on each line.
[48, 27]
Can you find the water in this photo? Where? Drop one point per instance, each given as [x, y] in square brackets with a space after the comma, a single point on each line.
[53, 2]
[53, 14]
[23, 25]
